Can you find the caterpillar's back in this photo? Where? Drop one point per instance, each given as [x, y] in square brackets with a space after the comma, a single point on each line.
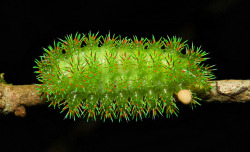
[120, 77]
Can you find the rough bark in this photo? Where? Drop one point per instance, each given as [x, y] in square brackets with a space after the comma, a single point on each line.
[227, 91]
[14, 98]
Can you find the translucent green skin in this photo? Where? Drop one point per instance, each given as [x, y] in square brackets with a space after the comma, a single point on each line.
[122, 78]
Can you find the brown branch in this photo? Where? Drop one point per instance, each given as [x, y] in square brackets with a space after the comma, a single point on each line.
[229, 91]
[14, 98]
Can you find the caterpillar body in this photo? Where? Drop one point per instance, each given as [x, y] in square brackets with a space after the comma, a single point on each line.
[116, 78]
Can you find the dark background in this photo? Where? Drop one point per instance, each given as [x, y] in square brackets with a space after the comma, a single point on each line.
[221, 27]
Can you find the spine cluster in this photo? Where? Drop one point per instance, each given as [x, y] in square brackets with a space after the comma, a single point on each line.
[114, 77]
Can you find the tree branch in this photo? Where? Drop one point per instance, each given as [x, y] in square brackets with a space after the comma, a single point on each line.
[14, 98]
[226, 91]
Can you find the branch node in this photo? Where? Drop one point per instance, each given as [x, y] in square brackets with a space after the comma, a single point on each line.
[20, 111]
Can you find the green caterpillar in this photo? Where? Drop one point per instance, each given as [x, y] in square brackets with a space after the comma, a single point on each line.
[116, 78]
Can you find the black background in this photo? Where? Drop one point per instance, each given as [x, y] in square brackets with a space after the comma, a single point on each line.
[221, 27]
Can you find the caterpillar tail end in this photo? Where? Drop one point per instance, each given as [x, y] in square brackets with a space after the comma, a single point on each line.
[185, 96]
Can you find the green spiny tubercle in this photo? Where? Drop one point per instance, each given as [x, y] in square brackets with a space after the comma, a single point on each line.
[114, 77]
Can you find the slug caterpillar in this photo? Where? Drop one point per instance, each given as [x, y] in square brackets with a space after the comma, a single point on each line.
[114, 77]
